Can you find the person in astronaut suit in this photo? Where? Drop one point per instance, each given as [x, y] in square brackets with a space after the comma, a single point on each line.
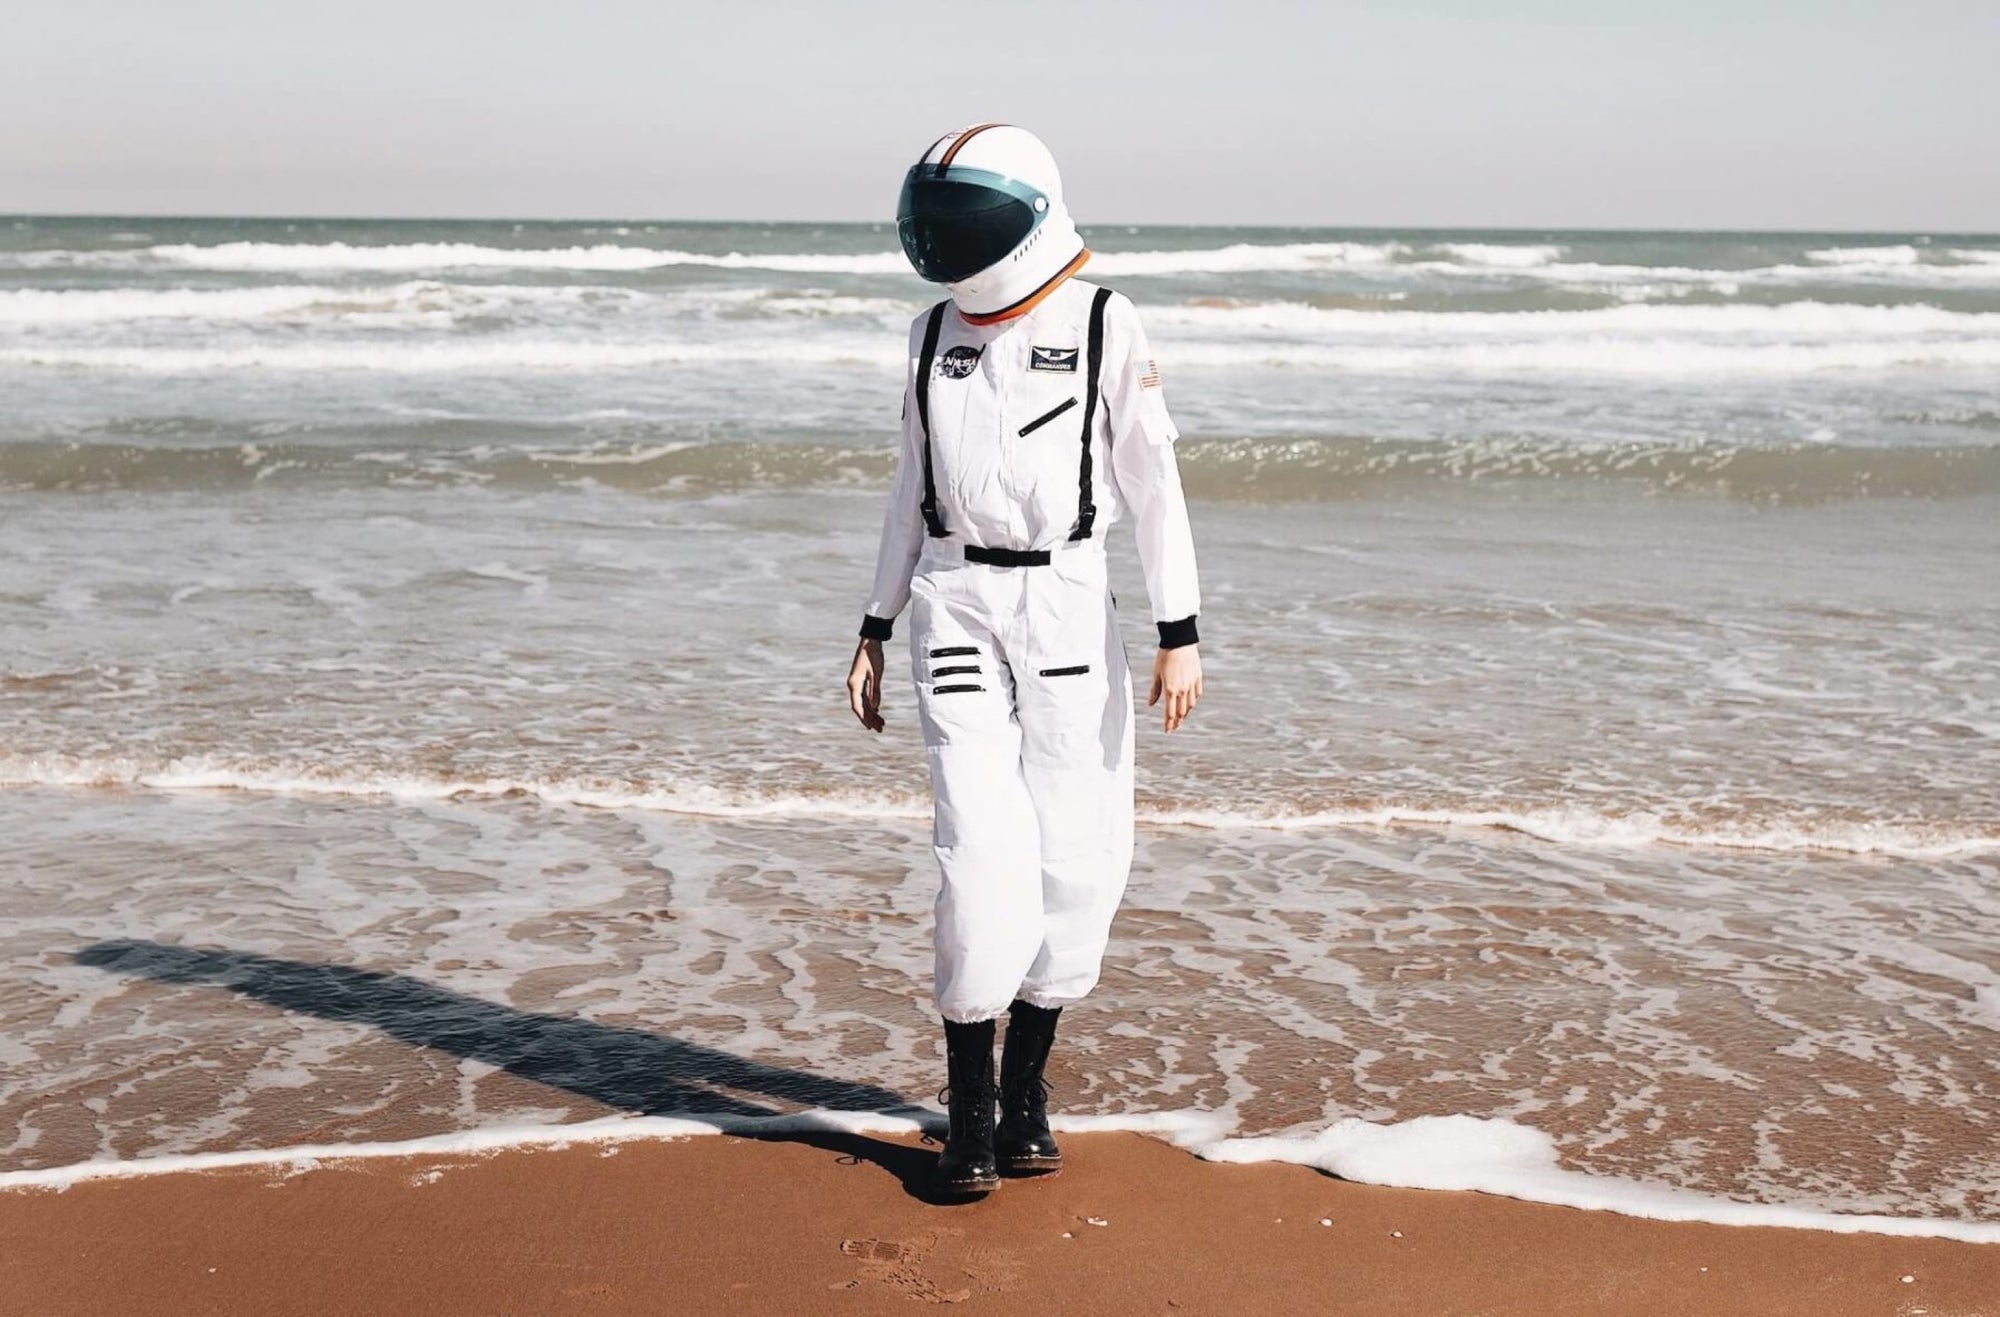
[1032, 421]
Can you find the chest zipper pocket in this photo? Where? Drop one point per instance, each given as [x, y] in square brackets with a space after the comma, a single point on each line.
[1047, 416]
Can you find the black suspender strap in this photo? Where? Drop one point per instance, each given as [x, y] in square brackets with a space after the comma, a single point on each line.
[1086, 511]
[925, 361]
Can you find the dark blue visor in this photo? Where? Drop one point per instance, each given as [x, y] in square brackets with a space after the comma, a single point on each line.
[956, 223]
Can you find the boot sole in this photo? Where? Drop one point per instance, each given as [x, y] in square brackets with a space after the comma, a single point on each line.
[969, 1188]
[1021, 1166]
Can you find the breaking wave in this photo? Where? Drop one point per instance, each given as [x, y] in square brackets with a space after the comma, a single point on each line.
[1565, 825]
[1783, 322]
[1535, 260]
[1287, 469]
[1389, 350]
[85, 306]
[433, 357]
[421, 256]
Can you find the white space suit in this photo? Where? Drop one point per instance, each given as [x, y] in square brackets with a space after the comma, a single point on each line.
[1033, 421]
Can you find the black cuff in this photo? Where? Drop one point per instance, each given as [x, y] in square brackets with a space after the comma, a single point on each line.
[876, 628]
[1175, 634]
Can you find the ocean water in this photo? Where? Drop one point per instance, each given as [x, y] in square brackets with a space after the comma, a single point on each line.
[421, 701]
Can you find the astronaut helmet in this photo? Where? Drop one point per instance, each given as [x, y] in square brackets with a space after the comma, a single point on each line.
[982, 213]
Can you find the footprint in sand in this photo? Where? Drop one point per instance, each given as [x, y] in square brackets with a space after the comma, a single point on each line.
[914, 1266]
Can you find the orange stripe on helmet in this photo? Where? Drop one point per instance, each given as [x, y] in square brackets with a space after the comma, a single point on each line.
[932, 147]
[963, 138]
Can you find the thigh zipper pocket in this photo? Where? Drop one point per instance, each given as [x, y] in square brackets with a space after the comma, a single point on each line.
[1076, 671]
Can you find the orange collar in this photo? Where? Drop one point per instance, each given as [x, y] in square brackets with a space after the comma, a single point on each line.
[1032, 300]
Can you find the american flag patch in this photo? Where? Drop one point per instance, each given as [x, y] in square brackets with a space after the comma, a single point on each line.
[1151, 378]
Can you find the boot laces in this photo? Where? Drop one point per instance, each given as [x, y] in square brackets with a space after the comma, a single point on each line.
[944, 1094]
[1029, 1089]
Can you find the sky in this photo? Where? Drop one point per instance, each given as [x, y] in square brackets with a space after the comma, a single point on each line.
[1448, 113]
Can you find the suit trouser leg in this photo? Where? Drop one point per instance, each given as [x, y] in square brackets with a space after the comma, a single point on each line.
[984, 828]
[1074, 705]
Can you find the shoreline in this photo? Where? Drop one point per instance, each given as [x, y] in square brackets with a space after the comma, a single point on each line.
[840, 1223]
[1452, 1154]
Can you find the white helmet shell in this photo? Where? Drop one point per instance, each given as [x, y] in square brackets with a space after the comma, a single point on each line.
[1049, 254]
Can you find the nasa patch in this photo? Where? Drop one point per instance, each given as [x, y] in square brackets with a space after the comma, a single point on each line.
[1062, 359]
[958, 362]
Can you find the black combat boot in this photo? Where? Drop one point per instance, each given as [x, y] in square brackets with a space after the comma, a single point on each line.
[1023, 1144]
[966, 1165]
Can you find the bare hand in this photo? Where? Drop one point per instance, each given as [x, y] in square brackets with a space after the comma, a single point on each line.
[864, 684]
[1177, 675]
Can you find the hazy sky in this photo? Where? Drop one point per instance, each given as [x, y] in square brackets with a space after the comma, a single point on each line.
[1784, 113]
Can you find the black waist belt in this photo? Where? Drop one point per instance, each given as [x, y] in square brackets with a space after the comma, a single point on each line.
[1007, 557]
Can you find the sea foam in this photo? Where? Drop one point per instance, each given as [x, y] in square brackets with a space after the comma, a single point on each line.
[83, 306]
[1899, 263]
[1785, 321]
[1637, 340]
[1184, 1128]
[1569, 826]
[1515, 1161]
[415, 256]
[1450, 1153]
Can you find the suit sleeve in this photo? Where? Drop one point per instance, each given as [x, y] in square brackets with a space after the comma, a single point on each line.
[1148, 477]
[902, 521]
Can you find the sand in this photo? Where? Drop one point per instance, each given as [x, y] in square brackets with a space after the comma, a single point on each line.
[842, 1224]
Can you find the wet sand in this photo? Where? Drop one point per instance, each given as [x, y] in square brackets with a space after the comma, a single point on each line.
[207, 972]
[841, 1224]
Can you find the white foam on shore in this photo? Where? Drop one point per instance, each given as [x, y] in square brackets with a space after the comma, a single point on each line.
[306, 1157]
[1454, 1153]
[1514, 1161]
[1184, 1128]
[1581, 827]
[1566, 826]
[689, 798]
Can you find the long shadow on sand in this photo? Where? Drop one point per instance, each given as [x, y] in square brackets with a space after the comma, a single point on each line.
[629, 1069]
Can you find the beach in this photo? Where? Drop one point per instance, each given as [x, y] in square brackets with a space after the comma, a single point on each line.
[826, 1224]
[421, 719]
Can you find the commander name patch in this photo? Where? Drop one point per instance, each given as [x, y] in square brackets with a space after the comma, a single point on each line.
[1056, 359]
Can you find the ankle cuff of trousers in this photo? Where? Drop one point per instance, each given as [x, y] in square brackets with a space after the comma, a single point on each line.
[973, 1016]
[1179, 632]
